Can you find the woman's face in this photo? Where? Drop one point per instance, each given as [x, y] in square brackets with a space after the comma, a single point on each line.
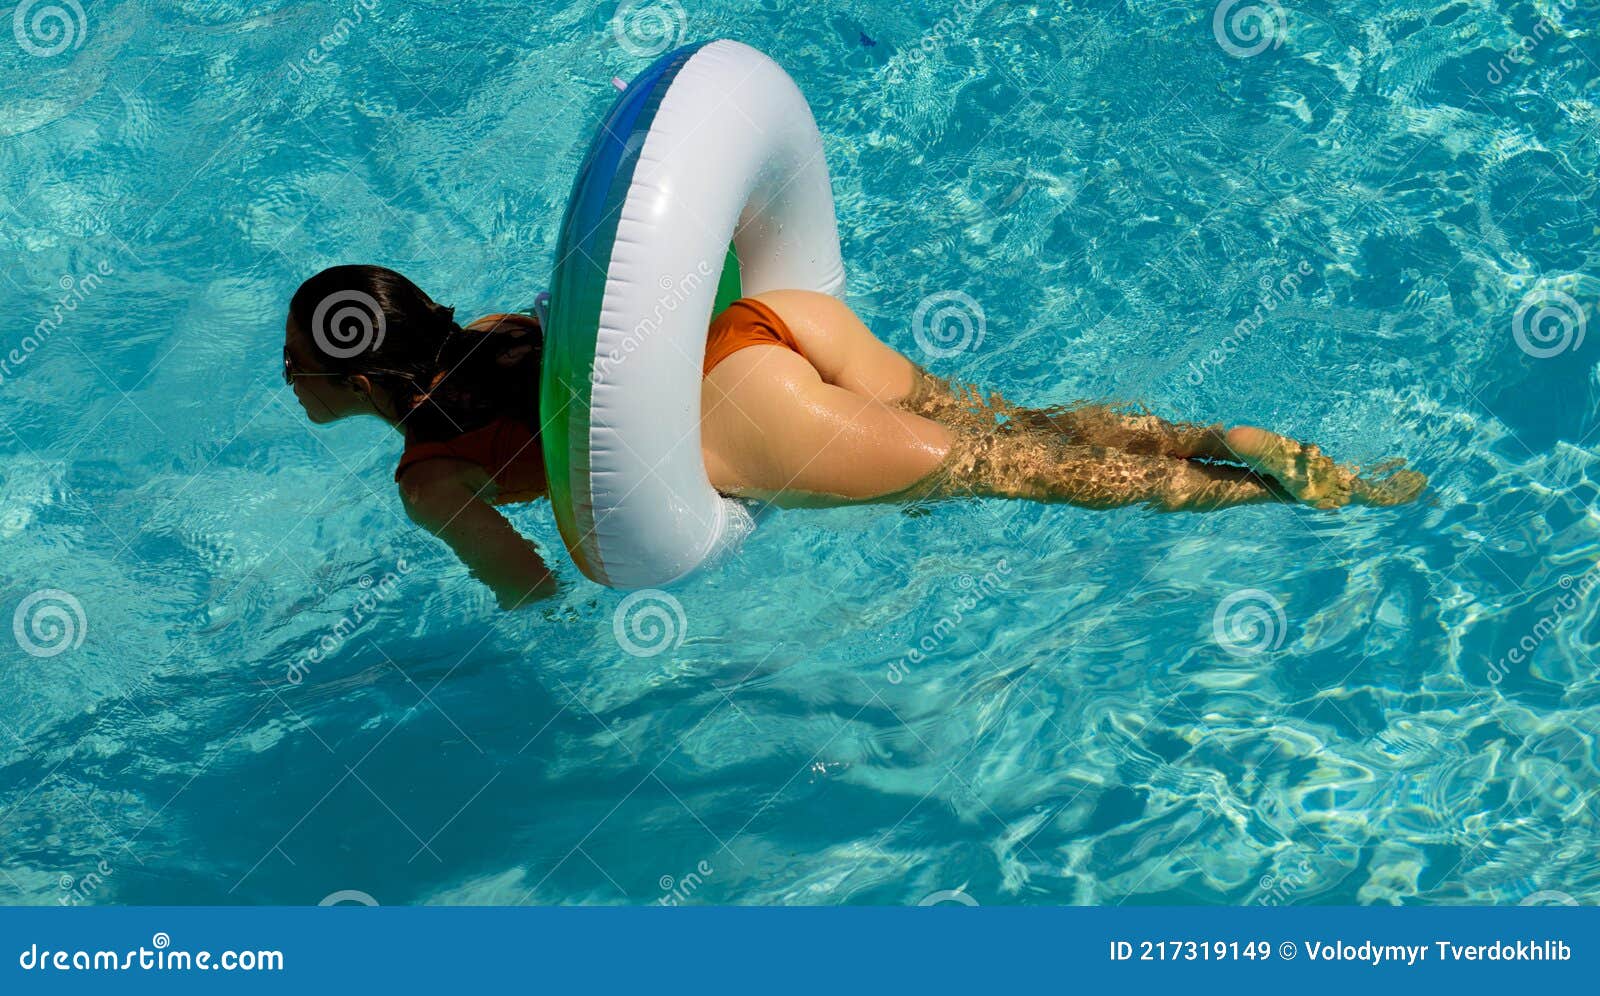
[325, 399]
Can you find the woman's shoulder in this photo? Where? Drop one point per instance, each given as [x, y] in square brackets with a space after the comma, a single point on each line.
[463, 448]
[506, 450]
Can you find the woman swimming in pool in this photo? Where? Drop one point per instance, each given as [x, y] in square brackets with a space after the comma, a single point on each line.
[802, 405]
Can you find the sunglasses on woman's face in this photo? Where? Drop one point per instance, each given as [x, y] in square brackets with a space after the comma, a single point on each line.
[290, 373]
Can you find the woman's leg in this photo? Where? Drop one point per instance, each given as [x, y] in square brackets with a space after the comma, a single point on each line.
[1041, 464]
[1312, 477]
[845, 354]
[1095, 439]
[772, 428]
[1085, 425]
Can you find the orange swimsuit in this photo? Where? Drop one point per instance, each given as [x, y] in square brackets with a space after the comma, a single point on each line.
[747, 322]
[508, 449]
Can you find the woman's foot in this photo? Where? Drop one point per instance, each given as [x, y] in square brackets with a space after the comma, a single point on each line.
[1389, 485]
[1312, 477]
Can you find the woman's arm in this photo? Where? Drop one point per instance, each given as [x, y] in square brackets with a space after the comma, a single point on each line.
[439, 496]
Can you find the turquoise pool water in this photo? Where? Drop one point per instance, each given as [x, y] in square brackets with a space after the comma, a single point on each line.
[1369, 224]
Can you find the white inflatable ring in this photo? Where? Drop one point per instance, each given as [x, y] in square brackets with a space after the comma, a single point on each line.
[712, 145]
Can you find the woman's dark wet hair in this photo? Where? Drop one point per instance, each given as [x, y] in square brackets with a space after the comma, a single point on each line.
[372, 321]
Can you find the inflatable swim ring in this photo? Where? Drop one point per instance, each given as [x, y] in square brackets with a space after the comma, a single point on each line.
[705, 181]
